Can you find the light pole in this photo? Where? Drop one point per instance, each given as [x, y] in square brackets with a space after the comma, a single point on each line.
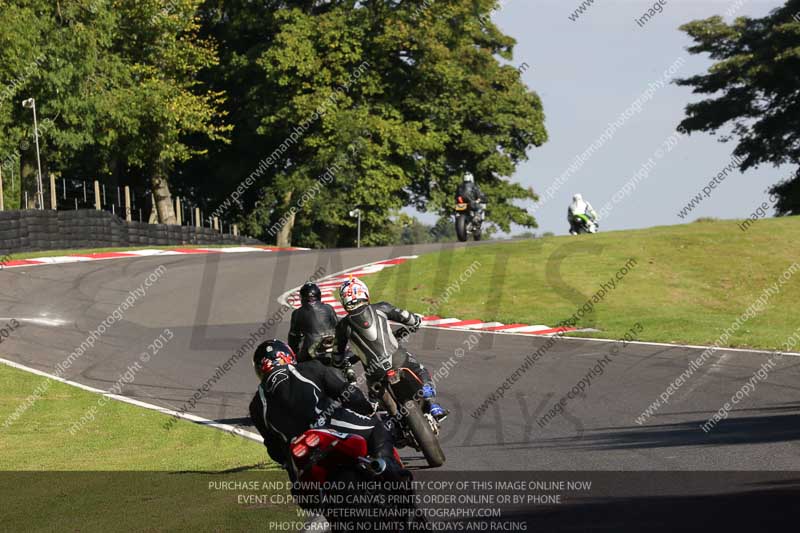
[30, 103]
[357, 213]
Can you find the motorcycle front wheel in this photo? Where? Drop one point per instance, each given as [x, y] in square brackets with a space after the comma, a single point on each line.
[423, 433]
[461, 228]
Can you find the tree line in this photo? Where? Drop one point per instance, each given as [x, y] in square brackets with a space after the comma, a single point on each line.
[753, 89]
[282, 116]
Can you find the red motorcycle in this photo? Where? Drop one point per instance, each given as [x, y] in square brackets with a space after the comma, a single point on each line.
[334, 477]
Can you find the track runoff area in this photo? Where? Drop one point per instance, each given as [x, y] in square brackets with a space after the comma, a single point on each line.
[511, 466]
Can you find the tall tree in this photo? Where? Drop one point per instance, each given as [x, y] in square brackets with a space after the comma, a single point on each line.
[755, 83]
[21, 63]
[116, 88]
[157, 105]
[376, 105]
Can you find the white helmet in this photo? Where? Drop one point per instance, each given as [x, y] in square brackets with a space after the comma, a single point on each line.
[469, 178]
[353, 293]
[577, 197]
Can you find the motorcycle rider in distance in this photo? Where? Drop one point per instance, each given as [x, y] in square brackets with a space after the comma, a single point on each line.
[579, 206]
[294, 397]
[366, 327]
[472, 195]
[311, 322]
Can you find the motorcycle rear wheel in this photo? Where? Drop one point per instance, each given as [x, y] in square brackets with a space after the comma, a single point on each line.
[423, 433]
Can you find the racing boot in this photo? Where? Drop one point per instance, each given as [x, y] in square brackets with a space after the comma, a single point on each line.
[381, 445]
[434, 409]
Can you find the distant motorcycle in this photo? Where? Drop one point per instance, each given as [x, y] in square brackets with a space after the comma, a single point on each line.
[468, 221]
[331, 471]
[583, 224]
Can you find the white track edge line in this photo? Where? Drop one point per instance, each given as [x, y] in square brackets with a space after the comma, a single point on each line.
[595, 339]
[283, 299]
[692, 346]
[192, 418]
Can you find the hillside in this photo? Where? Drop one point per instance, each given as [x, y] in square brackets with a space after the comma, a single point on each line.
[685, 283]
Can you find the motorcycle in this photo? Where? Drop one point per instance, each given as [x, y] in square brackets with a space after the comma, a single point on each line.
[584, 224]
[334, 476]
[400, 391]
[325, 350]
[401, 399]
[468, 221]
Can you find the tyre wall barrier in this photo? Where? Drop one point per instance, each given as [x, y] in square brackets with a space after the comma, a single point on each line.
[39, 230]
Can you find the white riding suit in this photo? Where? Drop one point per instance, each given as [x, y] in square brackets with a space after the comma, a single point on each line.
[579, 206]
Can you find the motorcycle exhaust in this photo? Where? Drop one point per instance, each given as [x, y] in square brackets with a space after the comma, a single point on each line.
[374, 466]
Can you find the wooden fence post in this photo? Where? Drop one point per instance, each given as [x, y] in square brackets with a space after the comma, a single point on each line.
[53, 195]
[97, 204]
[178, 210]
[128, 213]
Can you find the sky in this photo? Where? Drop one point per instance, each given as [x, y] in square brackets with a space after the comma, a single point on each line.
[591, 70]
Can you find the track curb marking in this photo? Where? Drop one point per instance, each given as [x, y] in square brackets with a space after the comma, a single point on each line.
[103, 256]
[329, 283]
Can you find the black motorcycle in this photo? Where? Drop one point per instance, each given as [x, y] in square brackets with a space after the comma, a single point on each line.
[325, 350]
[469, 221]
[401, 397]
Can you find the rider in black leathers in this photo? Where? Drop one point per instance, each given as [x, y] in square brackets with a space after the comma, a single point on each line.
[294, 397]
[366, 327]
[471, 193]
[310, 322]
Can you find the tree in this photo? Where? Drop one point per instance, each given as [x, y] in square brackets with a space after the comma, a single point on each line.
[155, 106]
[21, 61]
[484, 117]
[755, 83]
[373, 104]
[334, 105]
[410, 230]
[116, 87]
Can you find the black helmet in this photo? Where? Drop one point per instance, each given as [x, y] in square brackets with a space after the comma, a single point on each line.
[271, 354]
[310, 292]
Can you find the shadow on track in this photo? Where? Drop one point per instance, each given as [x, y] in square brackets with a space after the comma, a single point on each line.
[764, 429]
[770, 508]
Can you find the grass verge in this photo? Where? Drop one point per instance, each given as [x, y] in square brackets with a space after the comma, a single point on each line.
[123, 471]
[687, 283]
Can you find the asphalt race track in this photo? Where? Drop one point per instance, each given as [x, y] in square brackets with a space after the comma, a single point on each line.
[213, 303]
